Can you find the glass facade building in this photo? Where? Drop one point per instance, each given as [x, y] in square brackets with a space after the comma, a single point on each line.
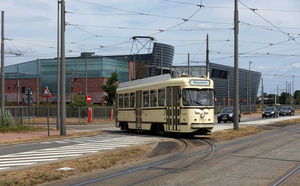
[97, 66]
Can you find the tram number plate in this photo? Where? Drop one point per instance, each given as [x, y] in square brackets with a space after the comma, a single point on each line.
[203, 120]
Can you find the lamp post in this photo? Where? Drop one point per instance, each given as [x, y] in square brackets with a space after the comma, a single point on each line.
[250, 88]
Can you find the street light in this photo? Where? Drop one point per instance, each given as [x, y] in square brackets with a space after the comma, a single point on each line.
[250, 87]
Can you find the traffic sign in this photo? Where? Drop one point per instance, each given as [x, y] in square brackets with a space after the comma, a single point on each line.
[29, 91]
[88, 98]
[215, 99]
[54, 99]
[28, 101]
[46, 92]
[245, 100]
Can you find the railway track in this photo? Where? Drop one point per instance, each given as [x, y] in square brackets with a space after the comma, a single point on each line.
[185, 146]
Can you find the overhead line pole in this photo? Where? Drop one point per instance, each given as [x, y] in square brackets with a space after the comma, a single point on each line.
[236, 67]
[207, 57]
[63, 74]
[2, 64]
[58, 70]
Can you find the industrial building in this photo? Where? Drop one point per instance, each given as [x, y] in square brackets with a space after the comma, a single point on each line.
[97, 69]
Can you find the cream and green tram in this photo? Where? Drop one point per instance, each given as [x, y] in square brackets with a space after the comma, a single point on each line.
[160, 104]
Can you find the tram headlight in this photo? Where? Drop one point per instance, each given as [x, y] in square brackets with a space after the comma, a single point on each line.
[202, 115]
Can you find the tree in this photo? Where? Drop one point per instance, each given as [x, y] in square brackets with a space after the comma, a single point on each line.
[298, 99]
[110, 88]
[296, 94]
[80, 101]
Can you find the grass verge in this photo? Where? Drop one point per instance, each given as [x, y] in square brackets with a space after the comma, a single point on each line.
[50, 172]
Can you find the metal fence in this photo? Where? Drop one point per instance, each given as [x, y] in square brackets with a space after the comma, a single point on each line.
[79, 114]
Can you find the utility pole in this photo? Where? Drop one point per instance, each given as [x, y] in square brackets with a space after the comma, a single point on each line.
[286, 92]
[161, 61]
[18, 85]
[207, 57]
[2, 65]
[134, 66]
[85, 79]
[58, 71]
[275, 88]
[63, 72]
[71, 85]
[227, 87]
[262, 94]
[236, 67]
[250, 87]
[188, 63]
[293, 90]
[247, 92]
[37, 88]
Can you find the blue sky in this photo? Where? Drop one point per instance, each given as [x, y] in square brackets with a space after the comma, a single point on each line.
[269, 31]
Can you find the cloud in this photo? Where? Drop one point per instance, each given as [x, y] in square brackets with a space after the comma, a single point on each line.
[297, 65]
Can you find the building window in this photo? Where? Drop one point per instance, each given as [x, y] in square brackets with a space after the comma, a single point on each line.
[23, 90]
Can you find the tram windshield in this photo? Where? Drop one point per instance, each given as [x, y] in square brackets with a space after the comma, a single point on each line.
[198, 97]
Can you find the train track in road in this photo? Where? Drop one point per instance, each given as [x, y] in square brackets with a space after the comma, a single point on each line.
[285, 178]
[156, 165]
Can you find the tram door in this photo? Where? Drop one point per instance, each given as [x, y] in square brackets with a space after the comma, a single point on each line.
[138, 109]
[173, 108]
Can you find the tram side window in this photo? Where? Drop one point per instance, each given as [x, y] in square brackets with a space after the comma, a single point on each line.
[153, 98]
[126, 101]
[132, 100]
[121, 97]
[161, 97]
[145, 98]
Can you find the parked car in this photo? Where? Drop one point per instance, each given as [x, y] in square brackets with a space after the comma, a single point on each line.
[227, 115]
[287, 110]
[270, 112]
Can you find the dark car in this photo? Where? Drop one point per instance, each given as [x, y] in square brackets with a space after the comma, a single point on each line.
[270, 112]
[227, 115]
[287, 110]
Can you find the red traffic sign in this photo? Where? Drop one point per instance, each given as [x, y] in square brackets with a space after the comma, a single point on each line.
[88, 98]
[245, 100]
[215, 99]
[46, 92]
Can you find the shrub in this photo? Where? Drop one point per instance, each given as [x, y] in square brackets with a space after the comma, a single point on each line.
[6, 119]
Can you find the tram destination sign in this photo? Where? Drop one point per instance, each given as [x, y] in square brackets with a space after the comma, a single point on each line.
[200, 82]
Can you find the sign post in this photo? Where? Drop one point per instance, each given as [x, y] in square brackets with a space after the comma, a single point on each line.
[46, 93]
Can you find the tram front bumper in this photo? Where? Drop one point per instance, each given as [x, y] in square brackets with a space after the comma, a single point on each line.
[202, 125]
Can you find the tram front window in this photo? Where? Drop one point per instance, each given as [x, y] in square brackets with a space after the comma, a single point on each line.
[197, 97]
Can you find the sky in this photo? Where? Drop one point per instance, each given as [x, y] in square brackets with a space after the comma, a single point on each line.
[269, 32]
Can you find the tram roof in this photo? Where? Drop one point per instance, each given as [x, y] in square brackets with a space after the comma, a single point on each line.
[158, 80]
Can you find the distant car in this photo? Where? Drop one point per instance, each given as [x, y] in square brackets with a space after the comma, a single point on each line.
[270, 112]
[287, 110]
[227, 115]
